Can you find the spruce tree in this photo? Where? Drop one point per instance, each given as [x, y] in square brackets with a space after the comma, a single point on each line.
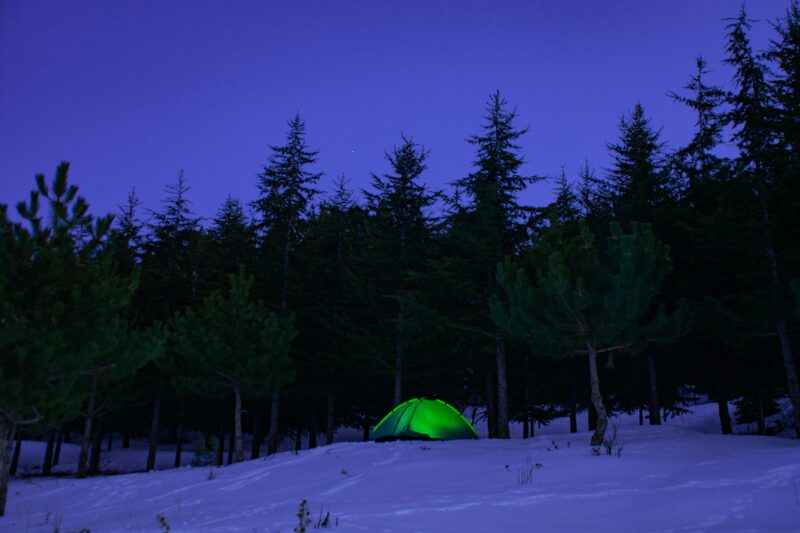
[490, 227]
[171, 282]
[232, 243]
[754, 118]
[286, 189]
[335, 365]
[638, 186]
[714, 208]
[399, 236]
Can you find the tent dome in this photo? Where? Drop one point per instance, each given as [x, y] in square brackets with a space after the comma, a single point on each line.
[423, 419]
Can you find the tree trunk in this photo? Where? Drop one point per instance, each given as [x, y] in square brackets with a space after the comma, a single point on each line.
[525, 410]
[641, 415]
[573, 405]
[298, 439]
[597, 399]
[87, 435]
[502, 390]
[760, 411]
[312, 430]
[790, 369]
[255, 447]
[126, 437]
[7, 435]
[722, 401]
[789, 363]
[218, 460]
[47, 464]
[110, 440]
[238, 455]
[655, 415]
[272, 444]
[179, 436]
[15, 457]
[231, 442]
[153, 446]
[97, 443]
[398, 359]
[59, 441]
[366, 430]
[491, 420]
[329, 422]
[285, 278]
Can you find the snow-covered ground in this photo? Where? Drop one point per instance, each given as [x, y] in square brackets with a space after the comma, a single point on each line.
[681, 476]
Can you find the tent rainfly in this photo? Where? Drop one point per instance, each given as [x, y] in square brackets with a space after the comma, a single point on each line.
[423, 419]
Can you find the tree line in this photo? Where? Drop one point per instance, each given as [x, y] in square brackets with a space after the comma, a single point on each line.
[673, 272]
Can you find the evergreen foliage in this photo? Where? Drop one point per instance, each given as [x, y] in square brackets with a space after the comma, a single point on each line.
[590, 297]
[233, 343]
[63, 311]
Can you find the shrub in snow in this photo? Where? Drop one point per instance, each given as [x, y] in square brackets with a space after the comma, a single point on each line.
[304, 519]
[610, 443]
[205, 450]
[162, 521]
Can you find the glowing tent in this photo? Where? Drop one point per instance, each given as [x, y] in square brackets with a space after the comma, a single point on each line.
[423, 419]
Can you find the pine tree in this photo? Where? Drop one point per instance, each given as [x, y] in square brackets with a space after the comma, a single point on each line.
[232, 243]
[697, 162]
[590, 297]
[286, 189]
[638, 184]
[235, 343]
[400, 237]
[335, 362]
[754, 118]
[490, 227]
[171, 282]
[126, 237]
[63, 310]
[714, 207]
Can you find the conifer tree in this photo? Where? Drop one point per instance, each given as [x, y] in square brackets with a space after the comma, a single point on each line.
[331, 313]
[697, 162]
[490, 227]
[713, 211]
[754, 118]
[286, 189]
[171, 282]
[400, 237]
[637, 183]
[232, 243]
[62, 310]
[233, 342]
[590, 297]
[126, 237]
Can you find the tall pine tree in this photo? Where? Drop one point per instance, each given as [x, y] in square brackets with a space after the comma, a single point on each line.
[400, 237]
[491, 226]
[286, 189]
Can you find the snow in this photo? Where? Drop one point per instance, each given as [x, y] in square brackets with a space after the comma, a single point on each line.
[674, 478]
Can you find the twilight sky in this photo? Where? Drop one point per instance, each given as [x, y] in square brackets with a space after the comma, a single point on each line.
[130, 92]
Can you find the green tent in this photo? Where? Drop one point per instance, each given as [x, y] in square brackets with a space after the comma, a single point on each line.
[423, 419]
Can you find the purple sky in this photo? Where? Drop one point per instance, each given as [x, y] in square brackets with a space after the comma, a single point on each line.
[132, 91]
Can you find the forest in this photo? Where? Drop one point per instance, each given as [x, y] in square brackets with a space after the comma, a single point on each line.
[675, 273]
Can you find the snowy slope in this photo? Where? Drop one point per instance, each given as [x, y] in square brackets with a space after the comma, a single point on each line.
[677, 477]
